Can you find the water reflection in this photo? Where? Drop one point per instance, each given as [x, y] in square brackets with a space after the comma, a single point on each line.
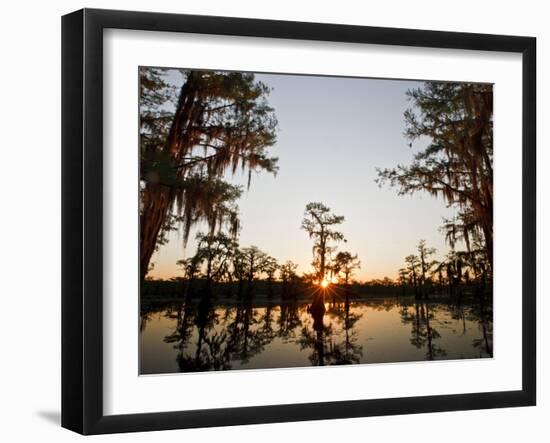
[203, 336]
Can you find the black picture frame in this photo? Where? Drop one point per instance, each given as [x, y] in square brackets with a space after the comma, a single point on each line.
[82, 218]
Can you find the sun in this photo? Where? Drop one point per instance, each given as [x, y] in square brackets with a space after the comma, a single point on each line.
[324, 284]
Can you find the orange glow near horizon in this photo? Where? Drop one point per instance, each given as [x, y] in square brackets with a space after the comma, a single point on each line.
[324, 284]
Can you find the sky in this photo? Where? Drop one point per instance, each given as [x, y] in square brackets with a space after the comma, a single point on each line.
[333, 134]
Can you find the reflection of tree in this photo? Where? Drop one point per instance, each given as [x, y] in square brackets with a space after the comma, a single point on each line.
[423, 333]
[317, 338]
[433, 350]
[267, 320]
[482, 313]
[328, 347]
[349, 352]
[247, 338]
[208, 338]
[204, 357]
[144, 318]
[458, 312]
[184, 326]
[289, 321]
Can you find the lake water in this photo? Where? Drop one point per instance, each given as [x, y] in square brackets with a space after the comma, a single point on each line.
[205, 337]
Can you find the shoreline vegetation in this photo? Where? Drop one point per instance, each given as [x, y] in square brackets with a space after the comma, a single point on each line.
[174, 291]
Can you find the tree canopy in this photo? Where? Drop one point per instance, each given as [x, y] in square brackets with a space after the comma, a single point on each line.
[219, 122]
[319, 223]
[457, 164]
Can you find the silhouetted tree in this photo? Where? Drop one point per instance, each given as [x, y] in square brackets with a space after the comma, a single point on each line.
[215, 252]
[404, 279]
[218, 122]
[346, 263]
[454, 268]
[254, 261]
[413, 269]
[319, 223]
[458, 163]
[239, 270]
[287, 273]
[191, 269]
[270, 267]
[426, 264]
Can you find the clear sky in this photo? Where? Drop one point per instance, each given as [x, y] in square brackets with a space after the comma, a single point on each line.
[333, 134]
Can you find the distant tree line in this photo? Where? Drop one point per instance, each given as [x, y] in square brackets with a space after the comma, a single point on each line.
[219, 260]
[455, 275]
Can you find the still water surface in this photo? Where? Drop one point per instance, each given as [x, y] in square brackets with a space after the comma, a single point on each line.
[205, 337]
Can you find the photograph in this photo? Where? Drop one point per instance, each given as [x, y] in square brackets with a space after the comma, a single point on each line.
[290, 221]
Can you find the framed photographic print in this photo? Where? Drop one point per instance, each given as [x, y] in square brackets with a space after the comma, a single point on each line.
[269, 221]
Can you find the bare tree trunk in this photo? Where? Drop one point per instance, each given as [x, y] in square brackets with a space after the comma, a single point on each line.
[322, 248]
[488, 234]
